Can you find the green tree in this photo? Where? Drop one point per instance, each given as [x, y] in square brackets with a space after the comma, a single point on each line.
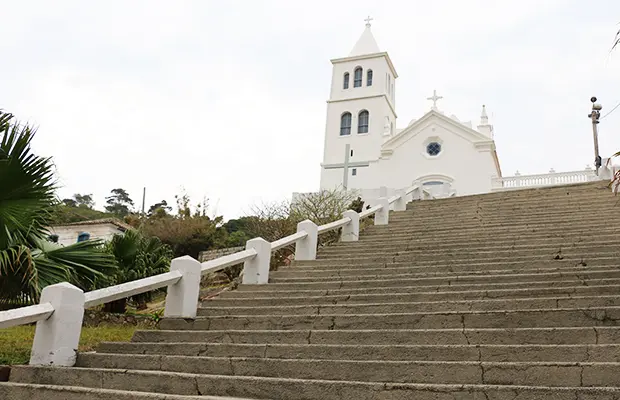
[84, 200]
[28, 262]
[69, 202]
[159, 209]
[137, 257]
[188, 232]
[119, 202]
[273, 221]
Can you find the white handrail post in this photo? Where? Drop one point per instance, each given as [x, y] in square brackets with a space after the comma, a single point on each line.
[383, 192]
[382, 216]
[305, 249]
[351, 231]
[401, 203]
[418, 194]
[182, 297]
[256, 269]
[409, 197]
[56, 339]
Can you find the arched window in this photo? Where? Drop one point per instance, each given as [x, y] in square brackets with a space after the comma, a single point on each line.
[345, 124]
[362, 122]
[357, 77]
[345, 81]
[369, 77]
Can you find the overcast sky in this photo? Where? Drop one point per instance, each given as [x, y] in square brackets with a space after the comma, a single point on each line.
[227, 98]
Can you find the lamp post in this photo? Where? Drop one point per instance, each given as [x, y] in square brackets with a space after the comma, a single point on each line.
[594, 116]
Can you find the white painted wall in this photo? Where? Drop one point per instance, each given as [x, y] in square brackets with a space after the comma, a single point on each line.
[377, 99]
[68, 234]
[467, 159]
[467, 168]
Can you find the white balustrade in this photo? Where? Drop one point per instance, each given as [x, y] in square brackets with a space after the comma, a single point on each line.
[350, 230]
[305, 249]
[540, 180]
[60, 312]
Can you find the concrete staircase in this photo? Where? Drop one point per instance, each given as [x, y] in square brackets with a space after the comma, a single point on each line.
[503, 296]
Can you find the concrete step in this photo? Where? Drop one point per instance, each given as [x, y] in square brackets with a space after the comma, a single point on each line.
[404, 307]
[482, 236]
[488, 353]
[583, 198]
[409, 294]
[598, 259]
[511, 216]
[431, 252]
[563, 193]
[461, 229]
[395, 282]
[423, 272]
[388, 267]
[554, 206]
[507, 319]
[465, 220]
[568, 286]
[414, 247]
[31, 391]
[312, 389]
[583, 204]
[389, 336]
[434, 372]
[483, 243]
[467, 235]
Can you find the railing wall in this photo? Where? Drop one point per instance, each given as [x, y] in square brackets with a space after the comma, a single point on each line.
[60, 312]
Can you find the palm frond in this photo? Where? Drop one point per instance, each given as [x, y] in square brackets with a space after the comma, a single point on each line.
[28, 262]
[27, 186]
[83, 262]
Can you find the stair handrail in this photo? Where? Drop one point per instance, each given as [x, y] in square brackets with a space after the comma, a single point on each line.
[60, 311]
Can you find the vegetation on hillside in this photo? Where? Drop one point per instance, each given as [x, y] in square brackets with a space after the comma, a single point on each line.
[137, 257]
[28, 205]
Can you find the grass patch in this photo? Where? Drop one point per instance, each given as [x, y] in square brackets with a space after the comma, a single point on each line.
[16, 342]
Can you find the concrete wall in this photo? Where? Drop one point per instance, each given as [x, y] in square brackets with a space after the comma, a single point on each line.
[68, 234]
[216, 253]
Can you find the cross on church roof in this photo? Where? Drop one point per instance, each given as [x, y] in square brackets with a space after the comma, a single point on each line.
[434, 99]
[368, 21]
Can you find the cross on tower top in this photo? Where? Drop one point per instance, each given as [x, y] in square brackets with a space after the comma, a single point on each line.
[434, 99]
[368, 21]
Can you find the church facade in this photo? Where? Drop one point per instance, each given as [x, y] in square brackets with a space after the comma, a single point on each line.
[364, 149]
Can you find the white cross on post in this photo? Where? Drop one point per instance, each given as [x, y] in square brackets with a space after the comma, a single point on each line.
[434, 99]
[346, 165]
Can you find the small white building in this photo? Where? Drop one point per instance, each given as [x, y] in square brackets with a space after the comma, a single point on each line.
[97, 229]
[365, 150]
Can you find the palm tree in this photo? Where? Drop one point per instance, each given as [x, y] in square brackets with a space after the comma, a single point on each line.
[28, 262]
[137, 257]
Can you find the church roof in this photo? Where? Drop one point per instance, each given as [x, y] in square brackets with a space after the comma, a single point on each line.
[366, 44]
[413, 129]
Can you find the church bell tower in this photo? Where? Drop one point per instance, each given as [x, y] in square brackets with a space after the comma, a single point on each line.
[360, 114]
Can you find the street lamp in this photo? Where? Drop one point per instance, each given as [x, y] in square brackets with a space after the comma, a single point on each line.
[594, 116]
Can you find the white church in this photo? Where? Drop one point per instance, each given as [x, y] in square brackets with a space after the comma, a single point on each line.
[365, 149]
